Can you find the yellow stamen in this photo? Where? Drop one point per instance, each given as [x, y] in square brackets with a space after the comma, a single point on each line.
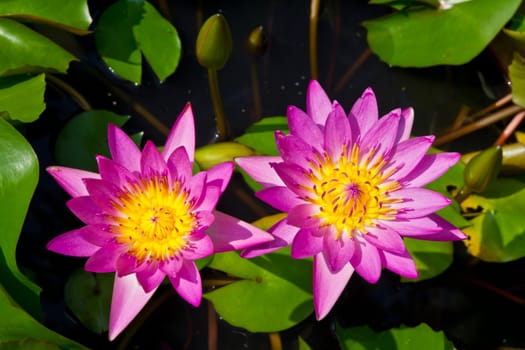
[154, 219]
[352, 192]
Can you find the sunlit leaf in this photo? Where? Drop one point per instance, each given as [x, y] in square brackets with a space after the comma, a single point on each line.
[88, 296]
[19, 176]
[84, 137]
[22, 97]
[274, 292]
[72, 15]
[24, 50]
[516, 28]
[405, 338]
[427, 36]
[261, 135]
[498, 233]
[517, 77]
[18, 328]
[212, 154]
[122, 40]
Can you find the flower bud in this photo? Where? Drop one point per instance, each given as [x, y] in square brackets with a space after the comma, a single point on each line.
[483, 168]
[214, 43]
[216, 153]
[256, 43]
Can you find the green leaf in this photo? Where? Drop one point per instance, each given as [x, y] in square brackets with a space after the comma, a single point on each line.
[498, 233]
[517, 78]
[19, 176]
[516, 28]
[420, 337]
[426, 36]
[122, 40]
[24, 50]
[72, 15]
[268, 283]
[261, 135]
[84, 137]
[18, 328]
[88, 296]
[22, 97]
[303, 345]
[432, 258]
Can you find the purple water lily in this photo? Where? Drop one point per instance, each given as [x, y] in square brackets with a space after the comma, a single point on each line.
[351, 186]
[148, 217]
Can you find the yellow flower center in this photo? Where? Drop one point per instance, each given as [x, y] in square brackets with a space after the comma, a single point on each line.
[352, 193]
[154, 219]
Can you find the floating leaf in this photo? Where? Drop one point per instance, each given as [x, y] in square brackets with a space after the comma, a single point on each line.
[498, 233]
[210, 155]
[19, 176]
[17, 328]
[261, 135]
[420, 337]
[85, 136]
[24, 50]
[22, 97]
[72, 15]
[517, 78]
[268, 283]
[122, 40]
[516, 28]
[88, 296]
[426, 36]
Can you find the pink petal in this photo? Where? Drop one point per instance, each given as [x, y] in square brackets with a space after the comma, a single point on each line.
[220, 175]
[337, 252]
[99, 235]
[187, 283]
[418, 202]
[364, 111]
[150, 277]
[71, 180]
[259, 168]
[303, 127]
[295, 178]
[104, 194]
[229, 233]
[114, 173]
[303, 215]
[401, 263]
[306, 244]
[208, 199]
[283, 235]
[87, 210]
[366, 261]
[294, 149]
[152, 162]
[337, 133]
[382, 135]
[126, 264]
[426, 225]
[408, 155]
[386, 239]
[328, 285]
[123, 150]
[446, 235]
[128, 299]
[318, 105]
[430, 168]
[280, 198]
[105, 259]
[72, 243]
[405, 124]
[179, 165]
[172, 266]
[182, 134]
[200, 246]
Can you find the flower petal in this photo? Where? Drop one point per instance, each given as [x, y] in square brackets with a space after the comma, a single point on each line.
[302, 126]
[400, 263]
[87, 210]
[294, 149]
[303, 216]
[295, 178]
[259, 168]
[105, 259]
[337, 133]
[280, 198]
[114, 173]
[150, 277]
[104, 194]
[220, 175]
[381, 137]
[306, 244]
[318, 105]
[187, 283]
[126, 264]
[72, 243]
[417, 202]
[366, 261]
[328, 285]
[179, 165]
[386, 239]
[123, 150]
[405, 124]
[426, 225]
[182, 134]
[230, 233]
[199, 247]
[408, 155]
[283, 235]
[71, 180]
[365, 111]
[152, 162]
[430, 168]
[126, 302]
[337, 251]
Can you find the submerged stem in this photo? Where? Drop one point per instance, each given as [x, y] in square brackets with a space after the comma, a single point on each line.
[353, 68]
[314, 21]
[213, 333]
[220, 117]
[77, 96]
[510, 128]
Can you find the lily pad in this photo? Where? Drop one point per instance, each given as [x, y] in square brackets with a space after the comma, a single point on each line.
[422, 36]
[22, 97]
[122, 40]
[517, 78]
[270, 283]
[260, 136]
[19, 174]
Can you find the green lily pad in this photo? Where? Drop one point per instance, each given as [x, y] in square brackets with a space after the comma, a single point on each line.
[88, 296]
[405, 338]
[517, 78]
[426, 36]
[260, 136]
[274, 292]
[84, 137]
[19, 174]
[498, 233]
[72, 15]
[17, 328]
[22, 97]
[122, 40]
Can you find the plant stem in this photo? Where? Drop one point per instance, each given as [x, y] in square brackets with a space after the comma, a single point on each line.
[255, 90]
[275, 341]
[497, 290]
[77, 96]
[213, 333]
[314, 21]
[353, 68]
[220, 118]
[502, 101]
[510, 128]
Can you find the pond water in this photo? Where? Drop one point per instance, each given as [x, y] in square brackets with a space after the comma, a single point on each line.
[472, 316]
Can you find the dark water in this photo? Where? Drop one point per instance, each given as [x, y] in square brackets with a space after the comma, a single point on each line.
[472, 317]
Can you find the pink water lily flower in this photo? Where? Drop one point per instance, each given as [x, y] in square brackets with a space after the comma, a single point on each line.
[148, 217]
[351, 186]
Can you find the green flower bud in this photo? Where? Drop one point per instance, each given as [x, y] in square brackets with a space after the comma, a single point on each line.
[214, 43]
[216, 153]
[483, 168]
[256, 43]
